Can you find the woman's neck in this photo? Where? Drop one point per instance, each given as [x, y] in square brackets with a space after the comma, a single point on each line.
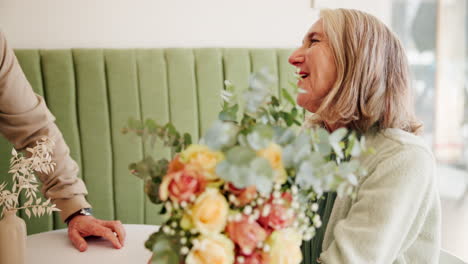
[332, 127]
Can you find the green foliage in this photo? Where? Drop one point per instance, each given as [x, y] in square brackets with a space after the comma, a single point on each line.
[150, 131]
[165, 248]
[229, 113]
[221, 135]
[261, 106]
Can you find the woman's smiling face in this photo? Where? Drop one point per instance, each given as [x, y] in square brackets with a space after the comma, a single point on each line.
[316, 67]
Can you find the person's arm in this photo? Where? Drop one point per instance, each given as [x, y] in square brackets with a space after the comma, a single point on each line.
[391, 207]
[24, 120]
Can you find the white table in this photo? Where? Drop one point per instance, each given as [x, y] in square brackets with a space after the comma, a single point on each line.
[54, 247]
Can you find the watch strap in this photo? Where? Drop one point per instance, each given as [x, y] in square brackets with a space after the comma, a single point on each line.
[82, 211]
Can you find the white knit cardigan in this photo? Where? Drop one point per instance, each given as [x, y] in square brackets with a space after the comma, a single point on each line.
[396, 216]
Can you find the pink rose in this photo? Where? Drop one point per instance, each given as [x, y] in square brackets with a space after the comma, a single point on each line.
[244, 195]
[246, 234]
[181, 185]
[275, 216]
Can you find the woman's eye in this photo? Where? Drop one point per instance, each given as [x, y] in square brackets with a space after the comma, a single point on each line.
[312, 41]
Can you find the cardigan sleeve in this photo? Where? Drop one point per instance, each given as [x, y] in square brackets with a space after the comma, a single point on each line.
[391, 205]
[24, 120]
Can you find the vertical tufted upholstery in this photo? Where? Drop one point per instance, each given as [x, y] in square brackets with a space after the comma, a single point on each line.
[92, 93]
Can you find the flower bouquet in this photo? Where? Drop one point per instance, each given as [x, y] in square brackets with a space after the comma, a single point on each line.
[247, 192]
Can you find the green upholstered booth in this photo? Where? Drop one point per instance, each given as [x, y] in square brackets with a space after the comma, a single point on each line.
[93, 92]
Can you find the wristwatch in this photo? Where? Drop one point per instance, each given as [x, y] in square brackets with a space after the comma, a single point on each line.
[82, 211]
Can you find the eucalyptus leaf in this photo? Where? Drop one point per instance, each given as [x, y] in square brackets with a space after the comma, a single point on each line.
[306, 178]
[296, 152]
[240, 155]
[348, 167]
[338, 135]
[152, 190]
[261, 175]
[354, 148]
[260, 137]
[187, 139]
[165, 248]
[259, 91]
[283, 136]
[237, 175]
[227, 116]
[151, 125]
[323, 144]
[220, 135]
[275, 101]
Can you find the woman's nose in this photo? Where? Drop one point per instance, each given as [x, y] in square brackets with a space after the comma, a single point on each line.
[296, 58]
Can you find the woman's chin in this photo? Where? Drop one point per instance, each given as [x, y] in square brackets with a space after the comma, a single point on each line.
[304, 101]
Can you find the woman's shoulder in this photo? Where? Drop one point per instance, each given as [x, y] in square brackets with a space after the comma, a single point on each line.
[392, 141]
[396, 145]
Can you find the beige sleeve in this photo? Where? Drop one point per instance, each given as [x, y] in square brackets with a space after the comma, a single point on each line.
[25, 119]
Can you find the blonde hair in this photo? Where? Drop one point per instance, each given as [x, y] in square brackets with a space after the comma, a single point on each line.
[373, 84]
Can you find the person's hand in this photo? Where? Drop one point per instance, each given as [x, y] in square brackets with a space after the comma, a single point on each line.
[82, 226]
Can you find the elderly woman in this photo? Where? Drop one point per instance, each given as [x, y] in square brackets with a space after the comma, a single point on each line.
[355, 74]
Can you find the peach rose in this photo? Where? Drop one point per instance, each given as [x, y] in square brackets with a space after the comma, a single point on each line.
[213, 249]
[201, 156]
[285, 247]
[181, 185]
[209, 212]
[246, 234]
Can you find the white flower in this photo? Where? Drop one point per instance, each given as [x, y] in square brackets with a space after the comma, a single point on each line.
[318, 224]
[294, 189]
[314, 207]
[184, 250]
[276, 194]
[266, 210]
[316, 218]
[247, 210]
[166, 230]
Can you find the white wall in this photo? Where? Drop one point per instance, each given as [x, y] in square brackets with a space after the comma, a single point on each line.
[380, 8]
[163, 23]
